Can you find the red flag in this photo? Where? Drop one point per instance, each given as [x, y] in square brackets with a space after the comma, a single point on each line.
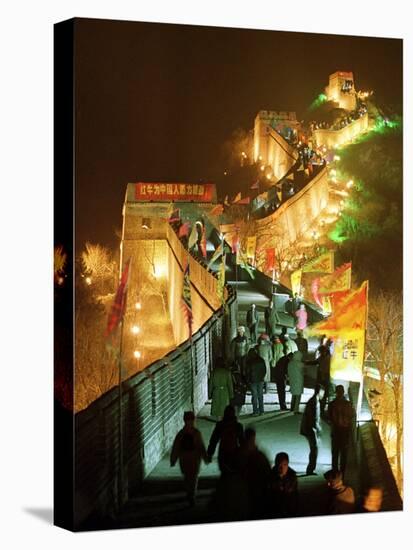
[269, 259]
[203, 243]
[184, 230]
[175, 216]
[119, 305]
[314, 290]
[235, 243]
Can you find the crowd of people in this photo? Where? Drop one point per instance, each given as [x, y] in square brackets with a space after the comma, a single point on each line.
[249, 486]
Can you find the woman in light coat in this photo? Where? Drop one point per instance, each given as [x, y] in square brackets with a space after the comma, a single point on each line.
[296, 380]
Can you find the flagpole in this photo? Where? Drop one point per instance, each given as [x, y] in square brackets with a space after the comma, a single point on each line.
[361, 386]
[190, 341]
[120, 417]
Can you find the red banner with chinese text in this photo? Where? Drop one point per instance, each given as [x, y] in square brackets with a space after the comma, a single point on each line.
[178, 192]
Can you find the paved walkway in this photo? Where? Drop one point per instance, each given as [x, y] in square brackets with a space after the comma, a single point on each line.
[162, 501]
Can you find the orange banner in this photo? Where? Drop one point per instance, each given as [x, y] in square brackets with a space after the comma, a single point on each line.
[351, 314]
[347, 328]
[338, 281]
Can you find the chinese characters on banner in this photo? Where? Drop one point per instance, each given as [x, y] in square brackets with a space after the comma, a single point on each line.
[184, 192]
[347, 328]
[348, 357]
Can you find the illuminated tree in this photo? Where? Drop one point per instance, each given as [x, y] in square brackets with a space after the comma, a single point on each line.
[369, 230]
[385, 345]
[60, 261]
[98, 264]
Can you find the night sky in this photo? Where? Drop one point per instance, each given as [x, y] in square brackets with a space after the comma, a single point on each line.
[156, 102]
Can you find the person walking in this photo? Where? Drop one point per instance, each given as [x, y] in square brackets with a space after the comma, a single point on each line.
[271, 318]
[229, 433]
[323, 362]
[311, 427]
[341, 415]
[222, 390]
[239, 349]
[188, 448]
[240, 389]
[264, 350]
[256, 371]
[252, 322]
[302, 317]
[280, 377]
[296, 380]
[302, 343]
[283, 488]
[255, 469]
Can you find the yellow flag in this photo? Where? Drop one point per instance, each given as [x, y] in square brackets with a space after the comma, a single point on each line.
[251, 244]
[348, 355]
[296, 281]
[221, 280]
[323, 263]
[347, 328]
[326, 304]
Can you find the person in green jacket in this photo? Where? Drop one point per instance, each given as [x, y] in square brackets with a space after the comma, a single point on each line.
[222, 390]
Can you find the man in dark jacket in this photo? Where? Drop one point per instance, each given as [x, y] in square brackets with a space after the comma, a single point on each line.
[302, 343]
[341, 415]
[239, 349]
[323, 372]
[255, 469]
[271, 319]
[252, 322]
[256, 371]
[229, 433]
[311, 427]
[280, 376]
[283, 488]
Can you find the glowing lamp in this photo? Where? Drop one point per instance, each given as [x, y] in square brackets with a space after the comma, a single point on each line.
[88, 280]
[138, 305]
[137, 354]
[135, 329]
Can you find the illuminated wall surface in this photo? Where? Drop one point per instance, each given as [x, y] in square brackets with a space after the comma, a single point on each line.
[335, 138]
[158, 260]
[334, 91]
[273, 149]
[282, 228]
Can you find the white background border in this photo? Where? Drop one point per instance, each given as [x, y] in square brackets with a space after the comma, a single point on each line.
[26, 124]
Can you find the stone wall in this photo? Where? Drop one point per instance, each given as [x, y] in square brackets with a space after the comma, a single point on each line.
[292, 219]
[335, 138]
[271, 148]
